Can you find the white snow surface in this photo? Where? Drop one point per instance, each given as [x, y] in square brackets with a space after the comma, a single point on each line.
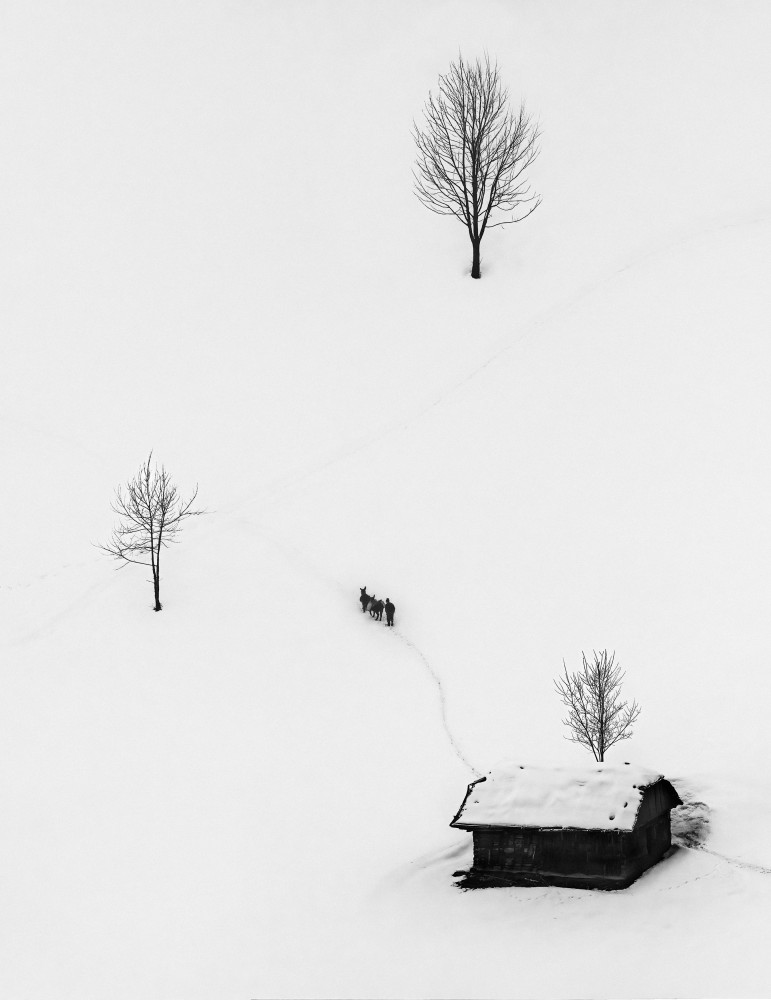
[598, 797]
[211, 248]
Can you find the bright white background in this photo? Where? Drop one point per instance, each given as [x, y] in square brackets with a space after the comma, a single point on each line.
[210, 247]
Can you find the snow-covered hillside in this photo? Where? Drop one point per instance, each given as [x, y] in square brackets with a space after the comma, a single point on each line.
[211, 248]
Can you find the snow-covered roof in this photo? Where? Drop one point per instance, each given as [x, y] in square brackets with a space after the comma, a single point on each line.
[595, 797]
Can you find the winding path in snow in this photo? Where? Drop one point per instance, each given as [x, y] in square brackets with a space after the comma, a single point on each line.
[442, 702]
[298, 558]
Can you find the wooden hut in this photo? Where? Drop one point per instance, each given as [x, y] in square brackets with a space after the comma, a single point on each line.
[594, 827]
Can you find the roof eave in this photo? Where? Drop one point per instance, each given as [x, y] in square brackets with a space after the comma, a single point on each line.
[518, 826]
[458, 814]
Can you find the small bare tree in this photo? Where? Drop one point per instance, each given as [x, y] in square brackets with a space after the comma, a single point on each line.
[473, 152]
[596, 717]
[151, 514]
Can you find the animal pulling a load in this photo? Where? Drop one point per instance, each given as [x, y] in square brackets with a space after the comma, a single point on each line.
[376, 607]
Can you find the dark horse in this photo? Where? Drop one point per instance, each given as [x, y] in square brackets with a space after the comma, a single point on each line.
[376, 609]
[365, 599]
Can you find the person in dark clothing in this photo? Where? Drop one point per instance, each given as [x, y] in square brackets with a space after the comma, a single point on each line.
[389, 610]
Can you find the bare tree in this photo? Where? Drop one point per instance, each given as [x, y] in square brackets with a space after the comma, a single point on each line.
[596, 717]
[473, 151]
[151, 514]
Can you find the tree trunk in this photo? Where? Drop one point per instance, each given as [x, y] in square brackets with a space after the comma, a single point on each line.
[157, 570]
[475, 269]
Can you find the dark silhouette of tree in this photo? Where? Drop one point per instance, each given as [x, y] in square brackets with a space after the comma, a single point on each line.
[473, 151]
[151, 514]
[596, 717]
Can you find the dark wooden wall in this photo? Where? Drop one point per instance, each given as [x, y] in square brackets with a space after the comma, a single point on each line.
[591, 858]
[657, 799]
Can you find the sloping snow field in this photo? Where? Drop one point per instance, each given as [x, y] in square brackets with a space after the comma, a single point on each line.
[211, 249]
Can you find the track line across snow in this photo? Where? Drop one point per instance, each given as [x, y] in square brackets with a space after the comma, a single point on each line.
[731, 861]
[442, 702]
[362, 442]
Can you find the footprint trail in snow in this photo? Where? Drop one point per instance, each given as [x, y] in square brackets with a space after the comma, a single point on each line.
[442, 702]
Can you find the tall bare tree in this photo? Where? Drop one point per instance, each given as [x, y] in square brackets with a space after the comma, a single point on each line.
[473, 151]
[596, 718]
[151, 514]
